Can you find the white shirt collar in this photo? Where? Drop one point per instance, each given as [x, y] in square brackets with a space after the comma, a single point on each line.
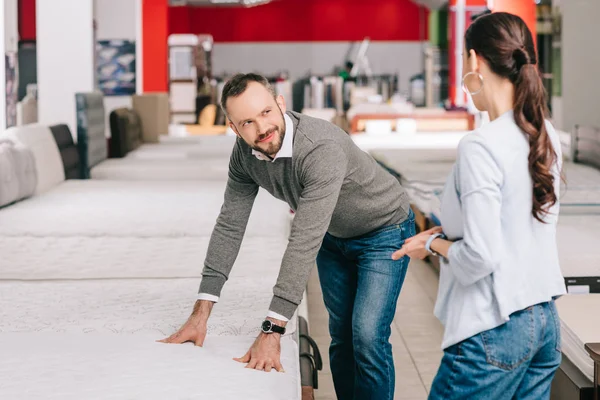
[287, 145]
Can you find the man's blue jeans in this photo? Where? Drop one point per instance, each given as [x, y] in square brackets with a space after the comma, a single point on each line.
[516, 360]
[361, 284]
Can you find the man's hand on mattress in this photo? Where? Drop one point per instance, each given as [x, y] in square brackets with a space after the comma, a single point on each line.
[265, 353]
[194, 330]
[414, 247]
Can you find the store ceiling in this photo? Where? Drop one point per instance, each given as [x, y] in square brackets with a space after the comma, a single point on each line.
[217, 3]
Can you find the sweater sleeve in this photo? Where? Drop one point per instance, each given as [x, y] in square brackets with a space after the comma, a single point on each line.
[229, 230]
[479, 184]
[322, 173]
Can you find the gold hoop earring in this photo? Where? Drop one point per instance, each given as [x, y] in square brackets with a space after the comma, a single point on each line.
[464, 85]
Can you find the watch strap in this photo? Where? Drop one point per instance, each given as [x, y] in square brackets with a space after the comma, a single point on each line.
[278, 329]
[430, 241]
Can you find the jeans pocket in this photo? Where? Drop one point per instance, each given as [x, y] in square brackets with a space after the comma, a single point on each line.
[512, 343]
[556, 319]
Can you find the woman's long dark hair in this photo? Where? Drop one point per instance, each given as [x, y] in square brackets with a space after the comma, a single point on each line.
[506, 43]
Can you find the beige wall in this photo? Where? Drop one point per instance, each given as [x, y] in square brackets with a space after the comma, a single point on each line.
[581, 63]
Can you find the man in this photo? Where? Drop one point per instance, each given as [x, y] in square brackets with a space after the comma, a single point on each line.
[350, 215]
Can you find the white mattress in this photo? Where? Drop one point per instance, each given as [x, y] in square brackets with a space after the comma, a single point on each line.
[579, 326]
[579, 176]
[77, 257]
[93, 366]
[167, 166]
[133, 306]
[420, 140]
[96, 208]
[198, 148]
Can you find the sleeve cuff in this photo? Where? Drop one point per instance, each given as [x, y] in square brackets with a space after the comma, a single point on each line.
[283, 307]
[212, 284]
[274, 315]
[208, 297]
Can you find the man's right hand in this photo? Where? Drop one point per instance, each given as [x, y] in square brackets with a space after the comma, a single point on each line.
[194, 330]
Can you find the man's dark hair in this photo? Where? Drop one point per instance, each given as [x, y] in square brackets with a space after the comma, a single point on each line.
[238, 84]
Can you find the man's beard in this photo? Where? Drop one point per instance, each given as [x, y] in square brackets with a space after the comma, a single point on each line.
[276, 143]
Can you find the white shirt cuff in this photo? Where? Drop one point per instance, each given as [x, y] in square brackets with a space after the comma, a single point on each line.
[209, 297]
[280, 317]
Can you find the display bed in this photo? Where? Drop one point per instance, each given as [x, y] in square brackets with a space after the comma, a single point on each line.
[135, 209]
[107, 366]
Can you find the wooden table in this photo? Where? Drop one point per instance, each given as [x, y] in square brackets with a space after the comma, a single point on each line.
[426, 120]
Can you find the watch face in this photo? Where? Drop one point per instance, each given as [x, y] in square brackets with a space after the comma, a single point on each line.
[267, 325]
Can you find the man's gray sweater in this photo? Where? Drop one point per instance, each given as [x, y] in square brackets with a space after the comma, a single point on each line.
[331, 184]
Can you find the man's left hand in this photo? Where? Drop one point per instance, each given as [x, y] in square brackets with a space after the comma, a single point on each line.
[265, 353]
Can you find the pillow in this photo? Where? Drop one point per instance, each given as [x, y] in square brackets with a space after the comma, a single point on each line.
[18, 175]
[48, 163]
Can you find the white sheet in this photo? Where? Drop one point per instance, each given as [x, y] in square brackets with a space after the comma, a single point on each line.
[96, 208]
[579, 326]
[134, 306]
[79, 366]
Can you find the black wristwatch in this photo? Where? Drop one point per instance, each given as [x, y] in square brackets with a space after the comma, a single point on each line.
[270, 327]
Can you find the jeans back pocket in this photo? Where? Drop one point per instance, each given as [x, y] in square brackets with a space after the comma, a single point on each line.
[512, 343]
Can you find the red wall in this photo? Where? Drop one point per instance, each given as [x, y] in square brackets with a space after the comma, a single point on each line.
[303, 21]
[154, 45]
[524, 9]
[27, 20]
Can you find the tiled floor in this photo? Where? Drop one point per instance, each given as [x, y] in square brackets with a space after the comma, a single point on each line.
[416, 334]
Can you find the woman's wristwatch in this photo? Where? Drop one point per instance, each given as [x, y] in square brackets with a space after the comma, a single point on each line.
[430, 240]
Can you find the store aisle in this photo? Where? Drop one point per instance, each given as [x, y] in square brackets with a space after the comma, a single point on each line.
[416, 334]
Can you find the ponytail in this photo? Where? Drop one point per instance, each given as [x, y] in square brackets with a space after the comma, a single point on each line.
[530, 113]
[506, 43]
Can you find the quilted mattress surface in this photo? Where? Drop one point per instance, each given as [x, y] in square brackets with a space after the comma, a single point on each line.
[579, 326]
[79, 257]
[110, 367]
[131, 306]
[96, 208]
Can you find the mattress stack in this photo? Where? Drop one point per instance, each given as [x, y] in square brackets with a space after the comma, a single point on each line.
[579, 327]
[94, 272]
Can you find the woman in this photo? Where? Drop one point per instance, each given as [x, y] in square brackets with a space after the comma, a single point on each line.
[500, 272]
